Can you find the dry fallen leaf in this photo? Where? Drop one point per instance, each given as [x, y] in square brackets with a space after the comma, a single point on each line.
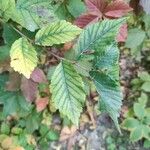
[67, 132]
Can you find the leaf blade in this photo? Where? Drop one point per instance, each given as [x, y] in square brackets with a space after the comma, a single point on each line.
[98, 34]
[67, 91]
[23, 57]
[57, 33]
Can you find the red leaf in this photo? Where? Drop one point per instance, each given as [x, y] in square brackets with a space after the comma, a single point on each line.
[38, 76]
[123, 33]
[29, 89]
[41, 103]
[86, 19]
[117, 9]
[96, 7]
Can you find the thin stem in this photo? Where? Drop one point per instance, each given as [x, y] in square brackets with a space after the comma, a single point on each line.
[17, 30]
[70, 61]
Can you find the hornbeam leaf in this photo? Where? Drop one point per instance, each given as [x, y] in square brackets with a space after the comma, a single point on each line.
[99, 34]
[110, 94]
[67, 91]
[107, 58]
[23, 57]
[57, 33]
[6, 9]
[33, 14]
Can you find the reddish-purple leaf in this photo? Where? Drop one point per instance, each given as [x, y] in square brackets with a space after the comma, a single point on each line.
[96, 7]
[86, 19]
[41, 103]
[117, 9]
[29, 89]
[38, 76]
[123, 33]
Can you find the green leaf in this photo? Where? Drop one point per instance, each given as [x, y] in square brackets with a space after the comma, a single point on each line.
[9, 35]
[145, 131]
[67, 91]
[57, 33]
[130, 123]
[13, 102]
[146, 19]
[3, 79]
[143, 99]
[144, 76]
[4, 53]
[76, 7]
[33, 14]
[138, 35]
[139, 110]
[6, 9]
[110, 94]
[146, 143]
[32, 121]
[107, 56]
[99, 34]
[146, 87]
[23, 57]
[136, 134]
[50, 134]
[63, 13]
[5, 128]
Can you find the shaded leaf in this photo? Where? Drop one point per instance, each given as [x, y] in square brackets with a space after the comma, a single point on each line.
[29, 89]
[67, 91]
[32, 121]
[9, 35]
[4, 53]
[14, 82]
[23, 57]
[3, 79]
[76, 7]
[33, 14]
[57, 33]
[13, 102]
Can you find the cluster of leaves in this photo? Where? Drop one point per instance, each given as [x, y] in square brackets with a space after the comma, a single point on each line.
[137, 118]
[139, 30]
[138, 121]
[33, 28]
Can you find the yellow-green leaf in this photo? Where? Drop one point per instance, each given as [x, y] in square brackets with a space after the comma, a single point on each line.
[6, 9]
[67, 91]
[57, 33]
[23, 57]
